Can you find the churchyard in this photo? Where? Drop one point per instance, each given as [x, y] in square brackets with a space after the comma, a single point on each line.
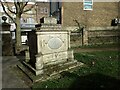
[101, 70]
[50, 62]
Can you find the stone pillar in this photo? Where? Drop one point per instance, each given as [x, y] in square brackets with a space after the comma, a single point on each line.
[85, 37]
[7, 49]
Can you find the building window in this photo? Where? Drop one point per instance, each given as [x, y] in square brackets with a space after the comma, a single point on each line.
[45, 10]
[41, 10]
[30, 20]
[22, 20]
[88, 4]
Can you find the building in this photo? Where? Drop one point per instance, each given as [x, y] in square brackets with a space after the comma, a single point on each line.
[88, 13]
[100, 20]
[27, 17]
[42, 10]
[72, 15]
[96, 14]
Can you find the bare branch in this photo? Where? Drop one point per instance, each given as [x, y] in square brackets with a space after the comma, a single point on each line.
[16, 6]
[29, 8]
[7, 13]
[10, 9]
[23, 6]
[18, 3]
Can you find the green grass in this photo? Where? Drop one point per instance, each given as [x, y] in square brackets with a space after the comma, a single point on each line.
[99, 46]
[104, 73]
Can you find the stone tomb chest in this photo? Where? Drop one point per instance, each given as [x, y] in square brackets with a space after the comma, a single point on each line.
[49, 50]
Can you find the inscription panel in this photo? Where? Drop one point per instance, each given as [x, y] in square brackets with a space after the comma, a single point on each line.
[52, 42]
[55, 43]
[55, 57]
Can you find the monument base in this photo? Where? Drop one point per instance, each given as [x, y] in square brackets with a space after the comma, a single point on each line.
[49, 71]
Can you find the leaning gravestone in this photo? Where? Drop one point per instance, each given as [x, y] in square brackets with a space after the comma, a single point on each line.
[49, 49]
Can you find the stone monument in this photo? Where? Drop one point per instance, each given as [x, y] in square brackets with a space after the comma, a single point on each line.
[49, 49]
[7, 49]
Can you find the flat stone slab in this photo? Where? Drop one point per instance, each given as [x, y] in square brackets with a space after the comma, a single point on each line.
[51, 71]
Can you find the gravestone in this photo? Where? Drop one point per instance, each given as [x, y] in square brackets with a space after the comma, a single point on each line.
[49, 49]
[7, 49]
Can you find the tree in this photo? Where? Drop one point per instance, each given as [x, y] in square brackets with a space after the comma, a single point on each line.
[80, 28]
[19, 10]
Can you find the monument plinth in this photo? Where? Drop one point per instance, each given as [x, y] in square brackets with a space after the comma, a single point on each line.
[50, 51]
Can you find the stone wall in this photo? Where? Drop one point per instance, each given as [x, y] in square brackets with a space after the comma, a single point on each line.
[108, 35]
[95, 35]
[101, 15]
[75, 40]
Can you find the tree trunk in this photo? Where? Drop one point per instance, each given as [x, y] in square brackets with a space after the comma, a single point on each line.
[18, 34]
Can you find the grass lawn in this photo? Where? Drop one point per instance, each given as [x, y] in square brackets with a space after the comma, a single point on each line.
[100, 46]
[101, 71]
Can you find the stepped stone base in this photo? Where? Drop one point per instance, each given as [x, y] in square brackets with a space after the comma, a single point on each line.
[49, 71]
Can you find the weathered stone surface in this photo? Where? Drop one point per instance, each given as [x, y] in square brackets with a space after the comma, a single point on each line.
[50, 52]
[55, 43]
[49, 47]
[49, 20]
[7, 49]
[49, 71]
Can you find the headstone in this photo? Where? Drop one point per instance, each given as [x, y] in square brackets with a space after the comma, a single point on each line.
[48, 20]
[50, 51]
[7, 49]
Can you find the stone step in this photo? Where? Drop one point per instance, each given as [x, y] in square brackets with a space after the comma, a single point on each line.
[32, 76]
[60, 67]
[53, 71]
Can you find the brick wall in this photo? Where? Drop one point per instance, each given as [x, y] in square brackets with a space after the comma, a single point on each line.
[43, 9]
[101, 15]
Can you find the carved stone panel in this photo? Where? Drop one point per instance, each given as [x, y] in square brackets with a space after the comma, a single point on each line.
[55, 43]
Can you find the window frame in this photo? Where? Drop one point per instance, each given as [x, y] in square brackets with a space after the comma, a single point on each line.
[87, 3]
